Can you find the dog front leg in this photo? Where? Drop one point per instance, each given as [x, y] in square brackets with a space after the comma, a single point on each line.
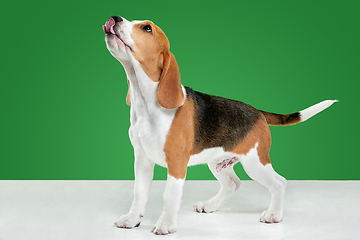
[167, 222]
[144, 171]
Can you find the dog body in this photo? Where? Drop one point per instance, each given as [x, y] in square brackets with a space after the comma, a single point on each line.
[175, 127]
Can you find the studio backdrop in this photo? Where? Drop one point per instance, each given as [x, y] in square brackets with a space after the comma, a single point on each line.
[62, 95]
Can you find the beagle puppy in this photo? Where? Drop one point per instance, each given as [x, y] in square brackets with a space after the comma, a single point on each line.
[176, 127]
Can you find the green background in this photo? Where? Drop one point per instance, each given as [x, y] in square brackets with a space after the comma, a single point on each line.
[63, 111]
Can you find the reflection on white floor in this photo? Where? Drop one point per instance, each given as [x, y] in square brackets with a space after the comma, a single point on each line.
[87, 209]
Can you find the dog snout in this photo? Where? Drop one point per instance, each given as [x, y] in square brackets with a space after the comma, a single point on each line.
[117, 19]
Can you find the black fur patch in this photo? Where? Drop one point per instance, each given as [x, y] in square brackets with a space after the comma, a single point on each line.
[220, 122]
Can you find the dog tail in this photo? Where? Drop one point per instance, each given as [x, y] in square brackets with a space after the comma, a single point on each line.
[294, 118]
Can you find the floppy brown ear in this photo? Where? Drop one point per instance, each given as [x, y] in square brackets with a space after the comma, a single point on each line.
[128, 102]
[170, 94]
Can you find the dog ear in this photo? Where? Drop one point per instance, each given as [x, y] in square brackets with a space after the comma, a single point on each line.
[128, 102]
[170, 94]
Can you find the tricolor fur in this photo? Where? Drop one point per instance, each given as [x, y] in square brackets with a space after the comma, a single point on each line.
[175, 127]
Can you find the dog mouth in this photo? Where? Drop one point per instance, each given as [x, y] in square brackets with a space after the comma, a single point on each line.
[109, 30]
[109, 26]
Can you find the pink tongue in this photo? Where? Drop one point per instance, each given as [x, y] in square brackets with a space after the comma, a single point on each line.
[109, 26]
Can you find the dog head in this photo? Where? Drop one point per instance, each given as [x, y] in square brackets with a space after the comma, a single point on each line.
[144, 43]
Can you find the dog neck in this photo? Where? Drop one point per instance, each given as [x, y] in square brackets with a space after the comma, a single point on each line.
[143, 91]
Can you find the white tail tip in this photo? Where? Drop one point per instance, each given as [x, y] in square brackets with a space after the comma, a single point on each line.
[311, 111]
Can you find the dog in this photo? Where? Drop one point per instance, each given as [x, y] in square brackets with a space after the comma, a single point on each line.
[176, 127]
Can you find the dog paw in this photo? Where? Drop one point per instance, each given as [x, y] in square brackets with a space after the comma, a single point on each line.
[270, 216]
[128, 221]
[206, 207]
[163, 227]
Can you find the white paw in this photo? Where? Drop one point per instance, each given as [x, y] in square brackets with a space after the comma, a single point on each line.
[206, 207]
[270, 216]
[128, 221]
[163, 227]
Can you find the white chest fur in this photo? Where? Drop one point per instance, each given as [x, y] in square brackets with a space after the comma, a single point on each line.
[150, 122]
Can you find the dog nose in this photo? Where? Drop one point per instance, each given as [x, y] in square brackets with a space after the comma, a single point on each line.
[117, 18]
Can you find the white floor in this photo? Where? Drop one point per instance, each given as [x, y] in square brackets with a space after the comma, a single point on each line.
[87, 209]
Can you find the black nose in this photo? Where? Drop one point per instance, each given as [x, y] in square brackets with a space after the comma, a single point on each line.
[117, 18]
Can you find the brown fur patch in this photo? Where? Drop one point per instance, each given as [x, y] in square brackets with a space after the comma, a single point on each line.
[170, 94]
[282, 120]
[148, 48]
[260, 134]
[179, 140]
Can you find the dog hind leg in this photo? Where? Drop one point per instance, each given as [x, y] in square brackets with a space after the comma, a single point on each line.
[229, 182]
[266, 176]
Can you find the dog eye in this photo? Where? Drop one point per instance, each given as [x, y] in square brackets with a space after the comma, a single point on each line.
[147, 28]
